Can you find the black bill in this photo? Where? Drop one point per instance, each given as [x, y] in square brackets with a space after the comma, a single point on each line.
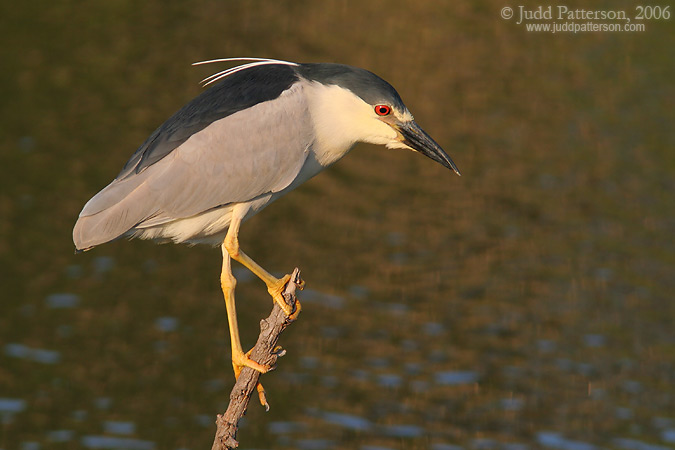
[418, 140]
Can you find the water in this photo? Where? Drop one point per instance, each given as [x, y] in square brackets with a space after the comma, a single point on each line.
[107, 442]
[167, 324]
[557, 441]
[58, 301]
[11, 405]
[403, 431]
[456, 377]
[525, 305]
[348, 421]
[117, 427]
[39, 355]
[632, 444]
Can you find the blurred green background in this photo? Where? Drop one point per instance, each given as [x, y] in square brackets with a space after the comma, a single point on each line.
[527, 304]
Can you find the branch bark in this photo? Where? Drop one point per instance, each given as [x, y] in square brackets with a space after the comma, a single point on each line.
[264, 352]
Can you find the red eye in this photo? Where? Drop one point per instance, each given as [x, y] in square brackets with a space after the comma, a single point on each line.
[382, 110]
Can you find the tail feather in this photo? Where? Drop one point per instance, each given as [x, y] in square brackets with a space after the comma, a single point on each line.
[103, 219]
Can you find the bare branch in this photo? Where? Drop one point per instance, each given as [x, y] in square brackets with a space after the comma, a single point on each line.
[266, 353]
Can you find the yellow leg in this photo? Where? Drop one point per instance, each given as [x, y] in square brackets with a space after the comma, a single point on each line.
[228, 282]
[275, 286]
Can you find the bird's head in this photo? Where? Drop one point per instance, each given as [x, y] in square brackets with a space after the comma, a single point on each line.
[354, 105]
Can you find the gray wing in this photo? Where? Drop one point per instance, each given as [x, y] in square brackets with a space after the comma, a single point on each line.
[234, 159]
[236, 92]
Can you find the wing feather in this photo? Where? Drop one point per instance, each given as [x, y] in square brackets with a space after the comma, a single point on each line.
[237, 92]
[235, 159]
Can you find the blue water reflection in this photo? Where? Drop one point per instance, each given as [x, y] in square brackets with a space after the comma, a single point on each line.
[59, 301]
[11, 405]
[286, 427]
[452, 378]
[348, 421]
[57, 436]
[117, 427]
[403, 431]
[327, 300]
[558, 441]
[115, 443]
[33, 354]
[166, 324]
[314, 444]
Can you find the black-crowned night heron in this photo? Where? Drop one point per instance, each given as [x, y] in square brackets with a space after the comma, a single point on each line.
[264, 129]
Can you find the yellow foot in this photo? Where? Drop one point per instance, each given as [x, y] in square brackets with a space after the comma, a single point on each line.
[239, 361]
[275, 289]
[244, 360]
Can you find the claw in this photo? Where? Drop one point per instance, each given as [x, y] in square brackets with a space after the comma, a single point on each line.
[261, 396]
[296, 313]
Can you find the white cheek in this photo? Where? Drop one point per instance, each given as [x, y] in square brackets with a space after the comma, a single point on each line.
[337, 115]
[341, 119]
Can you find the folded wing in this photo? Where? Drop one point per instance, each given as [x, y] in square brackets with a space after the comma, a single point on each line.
[237, 158]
